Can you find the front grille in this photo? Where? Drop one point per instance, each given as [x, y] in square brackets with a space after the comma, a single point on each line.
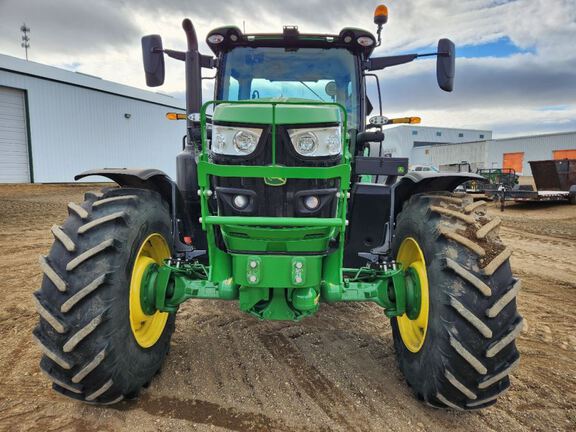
[279, 201]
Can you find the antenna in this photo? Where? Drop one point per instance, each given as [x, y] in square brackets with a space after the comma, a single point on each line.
[243, 26]
[25, 38]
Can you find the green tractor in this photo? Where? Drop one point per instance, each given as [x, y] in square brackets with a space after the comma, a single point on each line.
[274, 208]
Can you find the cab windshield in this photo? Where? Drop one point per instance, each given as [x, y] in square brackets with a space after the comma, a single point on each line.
[326, 75]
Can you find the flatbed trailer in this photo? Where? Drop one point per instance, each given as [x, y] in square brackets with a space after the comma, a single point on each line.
[555, 181]
[527, 195]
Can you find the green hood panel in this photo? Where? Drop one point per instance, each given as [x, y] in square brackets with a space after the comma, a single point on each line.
[261, 113]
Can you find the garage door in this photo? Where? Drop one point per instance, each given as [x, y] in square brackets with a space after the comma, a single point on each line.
[14, 162]
[564, 154]
[514, 161]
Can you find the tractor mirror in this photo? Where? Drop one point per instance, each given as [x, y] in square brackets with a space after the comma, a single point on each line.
[153, 56]
[446, 64]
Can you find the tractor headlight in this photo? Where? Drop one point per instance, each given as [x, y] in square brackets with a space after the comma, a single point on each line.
[235, 141]
[317, 141]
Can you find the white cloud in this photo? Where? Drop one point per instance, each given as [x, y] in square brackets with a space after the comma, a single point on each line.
[507, 94]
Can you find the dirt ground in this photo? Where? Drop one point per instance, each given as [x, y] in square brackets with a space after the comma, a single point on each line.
[334, 371]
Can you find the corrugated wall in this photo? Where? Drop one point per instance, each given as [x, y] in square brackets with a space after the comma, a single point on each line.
[538, 147]
[400, 140]
[473, 153]
[73, 129]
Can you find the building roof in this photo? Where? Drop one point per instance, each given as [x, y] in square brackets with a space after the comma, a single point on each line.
[51, 73]
[409, 126]
[535, 136]
[439, 144]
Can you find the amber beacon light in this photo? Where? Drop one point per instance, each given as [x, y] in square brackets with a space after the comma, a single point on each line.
[380, 18]
[381, 15]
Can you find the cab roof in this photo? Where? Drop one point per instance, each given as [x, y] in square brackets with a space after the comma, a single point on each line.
[224, 39]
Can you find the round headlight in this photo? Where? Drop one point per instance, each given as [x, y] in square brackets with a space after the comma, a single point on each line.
[311, 202]
[365, 41]
[334, 144]
[219, 143]
[215, 38]
[306, 143]
[240, 201]
[245, 142]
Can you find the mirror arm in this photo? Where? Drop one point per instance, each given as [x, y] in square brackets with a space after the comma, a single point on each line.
[208, 62]
[379, 63]
[205, 61]
[178, 55]
[439, 54]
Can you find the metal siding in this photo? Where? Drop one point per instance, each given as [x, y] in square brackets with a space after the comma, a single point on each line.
[400, 140]
[420, 156]
[74, 129]
[473, 153]
[539, 147]
[14, 162]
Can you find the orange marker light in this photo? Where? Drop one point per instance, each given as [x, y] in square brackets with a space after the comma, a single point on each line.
[381, 15]
[175, 116]
[409, 120]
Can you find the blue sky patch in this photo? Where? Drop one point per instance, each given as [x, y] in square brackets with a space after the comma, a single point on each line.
[502, 47]
[554, 108]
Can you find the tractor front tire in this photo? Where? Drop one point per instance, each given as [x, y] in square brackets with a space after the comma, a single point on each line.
[97, 344]
[458, 352]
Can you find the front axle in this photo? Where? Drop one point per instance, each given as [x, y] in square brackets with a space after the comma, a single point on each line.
[276, 287]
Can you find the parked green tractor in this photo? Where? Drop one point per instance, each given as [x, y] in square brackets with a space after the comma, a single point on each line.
[272, 208]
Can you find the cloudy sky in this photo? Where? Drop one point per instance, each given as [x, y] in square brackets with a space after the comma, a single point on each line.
[516, 67]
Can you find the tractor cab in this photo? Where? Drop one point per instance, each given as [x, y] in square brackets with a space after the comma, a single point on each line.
[294, 66]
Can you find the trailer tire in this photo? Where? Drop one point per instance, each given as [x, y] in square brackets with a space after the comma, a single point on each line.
[468, 347]
[90, 349]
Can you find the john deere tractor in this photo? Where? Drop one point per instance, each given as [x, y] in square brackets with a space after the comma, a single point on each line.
[281, 204]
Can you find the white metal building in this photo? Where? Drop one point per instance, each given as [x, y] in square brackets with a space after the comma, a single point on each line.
[515, 153]
[414, 142]
[56, 123]
[518, 151]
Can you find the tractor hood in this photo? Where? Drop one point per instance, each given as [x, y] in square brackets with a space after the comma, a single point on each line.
[260, 112]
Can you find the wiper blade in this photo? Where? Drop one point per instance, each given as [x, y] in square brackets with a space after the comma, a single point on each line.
[309, 88]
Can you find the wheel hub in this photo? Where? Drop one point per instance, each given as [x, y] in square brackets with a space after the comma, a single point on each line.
[146, 323]
[413, 324]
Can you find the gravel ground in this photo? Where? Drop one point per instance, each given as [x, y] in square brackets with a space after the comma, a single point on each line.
[334, 371]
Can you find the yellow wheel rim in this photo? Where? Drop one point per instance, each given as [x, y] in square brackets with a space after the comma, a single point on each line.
[147, 329]
[413, 332]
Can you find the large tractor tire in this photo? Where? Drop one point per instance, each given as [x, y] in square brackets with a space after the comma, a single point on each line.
[98, 345]
[459, 350]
